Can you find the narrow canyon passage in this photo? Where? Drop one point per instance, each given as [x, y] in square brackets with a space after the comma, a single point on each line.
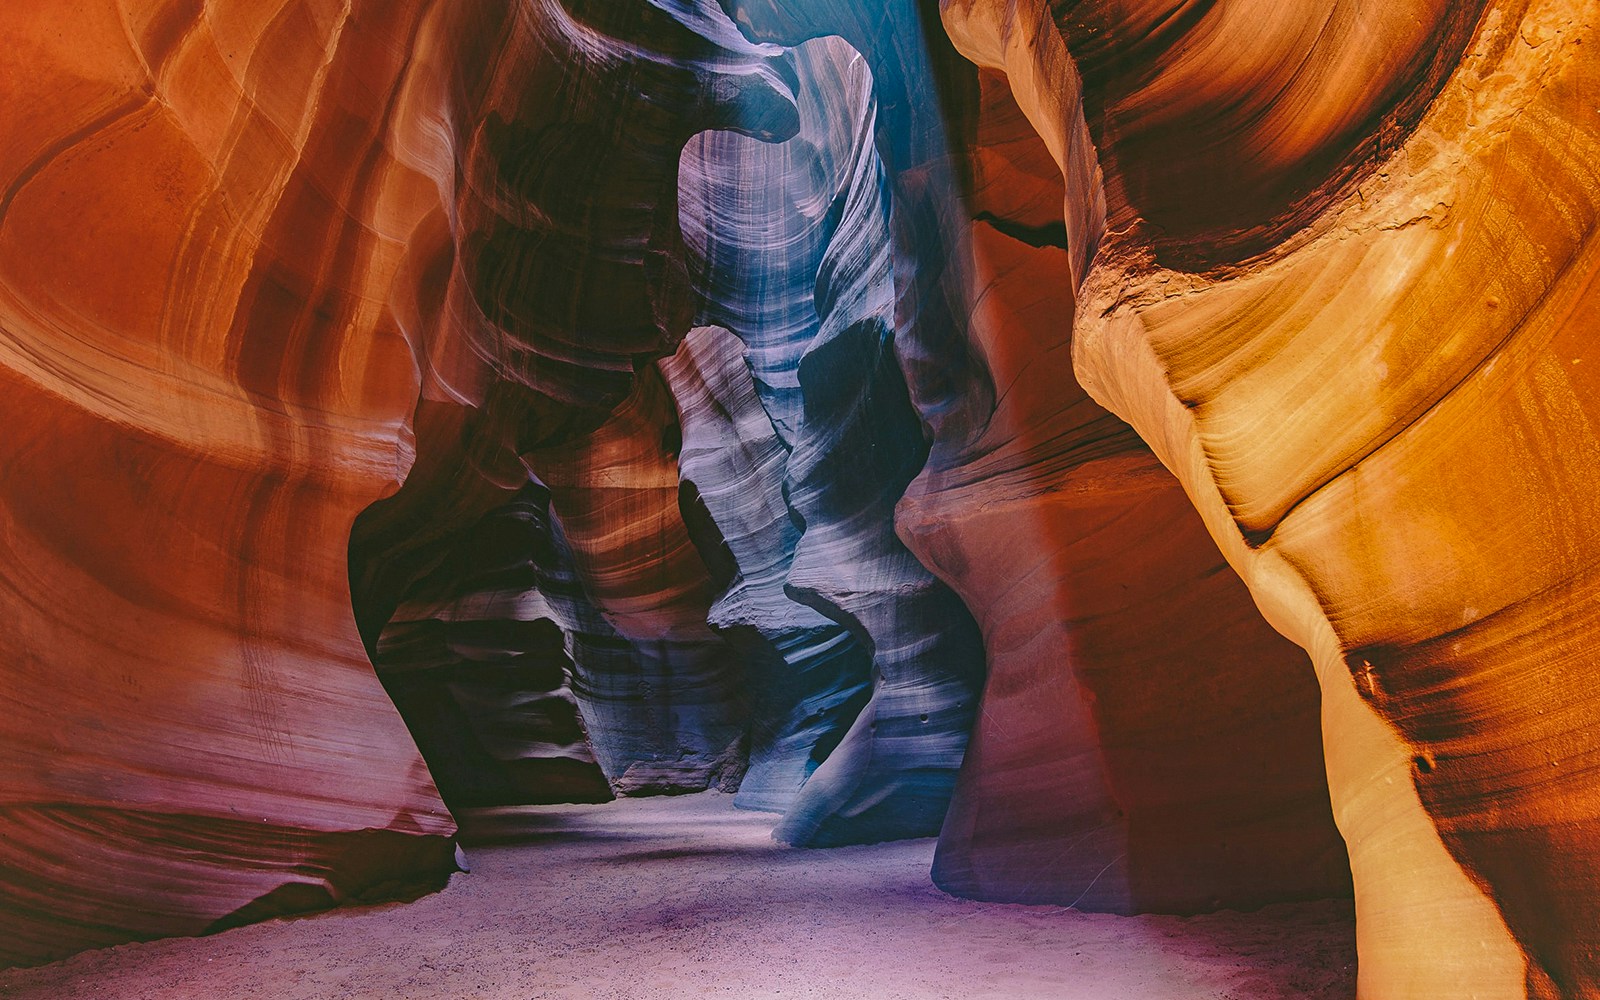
[919, 498]
[685, 896]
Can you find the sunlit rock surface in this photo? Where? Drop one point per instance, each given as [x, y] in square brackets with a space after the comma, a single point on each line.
[684, 387]
[1132, 684]
[1028, 496]
[794, 255]
[806, 675]
[1385, 419]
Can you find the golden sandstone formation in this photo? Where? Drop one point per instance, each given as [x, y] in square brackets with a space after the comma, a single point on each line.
[913, 410]
[1382, 414]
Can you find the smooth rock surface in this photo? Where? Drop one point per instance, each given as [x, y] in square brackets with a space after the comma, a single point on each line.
[199, 397]
[1382, 417]
[668, 898]
[296, 299]
[830, 375]
[805, 674]
[236, 242]
[1141, 727]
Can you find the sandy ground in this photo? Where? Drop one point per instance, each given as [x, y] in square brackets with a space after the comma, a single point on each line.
[687, 897]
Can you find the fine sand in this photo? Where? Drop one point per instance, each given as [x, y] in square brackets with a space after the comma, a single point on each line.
[688, 897]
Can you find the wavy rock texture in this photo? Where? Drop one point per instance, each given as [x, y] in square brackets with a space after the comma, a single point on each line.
[1385, 420]
[828, 369]
[807, 677]
[1133, 689]
[554, 274]
[1044, 479]
[229, 232]
[556, 265]
[199, 398]
[475, 659]
[677, 717]
[631, 567]
[1335, 264]
[554, 271]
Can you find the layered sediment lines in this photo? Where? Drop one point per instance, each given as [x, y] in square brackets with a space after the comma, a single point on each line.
[673, 714]
[806, 675]
[1030, 506]
[475, 658]
[1132, 683]
[549, 280]
[199, 398]
[1383, 416]
[231, 236]
[654, 390]
[793, 255]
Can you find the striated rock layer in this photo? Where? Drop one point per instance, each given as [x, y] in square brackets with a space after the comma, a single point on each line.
[475, 659]
[1146, 742]
[1029, 506]
[807, 677]
[666, 387]
[791, 247]
[200, 394]
[550, 273]
[1383, 416]
[230, 236]
[673, 715]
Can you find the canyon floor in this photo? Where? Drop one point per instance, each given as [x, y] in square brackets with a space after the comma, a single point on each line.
[688, 897]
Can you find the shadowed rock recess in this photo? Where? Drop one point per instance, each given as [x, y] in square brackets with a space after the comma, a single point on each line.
[1150, 446]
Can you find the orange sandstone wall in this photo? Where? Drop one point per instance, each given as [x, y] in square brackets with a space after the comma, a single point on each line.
[236, 241]
[1146, 741]
[1332, 264]
[1374, 382]
[200, 388]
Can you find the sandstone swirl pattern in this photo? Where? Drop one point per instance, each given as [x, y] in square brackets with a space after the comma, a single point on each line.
[657, 389]
[794, 246]
[1376, 387]
[301, 217]
[292, 210]
[1132, 685]
[807, 676]
[200, 394]
[1040, 510]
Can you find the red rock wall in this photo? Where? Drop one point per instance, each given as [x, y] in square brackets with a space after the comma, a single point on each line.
[261, 265]
[1142, 727]
[201, 391]
[1378, 402]
[232, 236]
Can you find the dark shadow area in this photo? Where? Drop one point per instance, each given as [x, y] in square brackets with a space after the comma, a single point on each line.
[476, 667]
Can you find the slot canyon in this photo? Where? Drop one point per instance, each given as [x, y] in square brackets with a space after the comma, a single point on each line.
[1085, 499]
